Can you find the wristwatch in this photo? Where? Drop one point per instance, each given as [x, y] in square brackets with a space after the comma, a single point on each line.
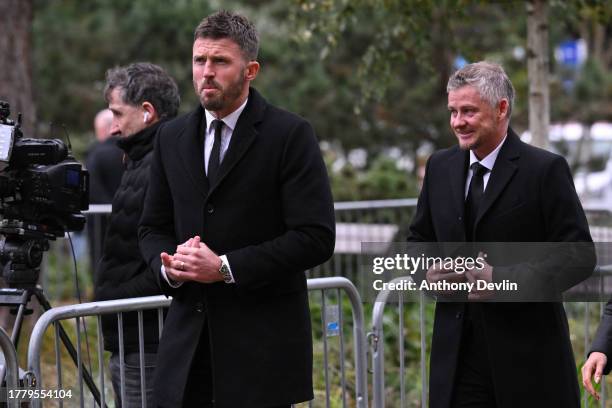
[224, 271]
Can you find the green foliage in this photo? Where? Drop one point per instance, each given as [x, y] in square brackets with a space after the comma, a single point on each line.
[75, 42]
[383, 180]
[366, 73]
[587, 100]
[591, 94]
[402, 53]
[58, 274]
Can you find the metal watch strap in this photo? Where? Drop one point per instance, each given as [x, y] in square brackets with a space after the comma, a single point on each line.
[225, 272]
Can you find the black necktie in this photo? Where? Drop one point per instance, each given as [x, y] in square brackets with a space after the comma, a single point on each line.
[474, 198]
[215, 153]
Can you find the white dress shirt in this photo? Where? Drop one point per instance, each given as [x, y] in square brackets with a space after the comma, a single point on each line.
[229, 124]
[488, 161]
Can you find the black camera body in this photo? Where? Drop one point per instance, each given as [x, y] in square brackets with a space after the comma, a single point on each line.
[49, 194]
[43, 190]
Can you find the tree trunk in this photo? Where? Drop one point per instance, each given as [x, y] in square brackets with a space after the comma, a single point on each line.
[16, 61]
[537, 71]
[16, 82]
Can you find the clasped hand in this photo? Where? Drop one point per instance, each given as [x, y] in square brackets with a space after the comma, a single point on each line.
[438, 273]
[193, 261]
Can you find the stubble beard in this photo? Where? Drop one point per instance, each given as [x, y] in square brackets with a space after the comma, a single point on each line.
[225, 97]
[471, 145]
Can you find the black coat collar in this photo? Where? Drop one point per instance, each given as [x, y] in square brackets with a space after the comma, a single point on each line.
[136, 146]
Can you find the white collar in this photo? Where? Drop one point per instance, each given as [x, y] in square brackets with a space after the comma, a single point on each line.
[489, 160]
[229, 120]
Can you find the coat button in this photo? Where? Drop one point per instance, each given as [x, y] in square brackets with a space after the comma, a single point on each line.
[199, 307]
[210, 209]
[459, 315]
[460, 218]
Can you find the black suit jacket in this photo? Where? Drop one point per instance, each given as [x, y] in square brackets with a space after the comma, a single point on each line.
[603, 339]
[271, 213]
[529, 197]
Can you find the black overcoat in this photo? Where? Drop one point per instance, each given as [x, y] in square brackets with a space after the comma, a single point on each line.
[271, 212]
[530, 197]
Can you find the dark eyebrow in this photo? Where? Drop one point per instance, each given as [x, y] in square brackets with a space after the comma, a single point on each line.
[219, 58]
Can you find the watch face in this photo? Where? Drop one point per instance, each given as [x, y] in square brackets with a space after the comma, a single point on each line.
[224, 271]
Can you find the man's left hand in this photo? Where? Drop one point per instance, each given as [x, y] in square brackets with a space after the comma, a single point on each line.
[196, 262]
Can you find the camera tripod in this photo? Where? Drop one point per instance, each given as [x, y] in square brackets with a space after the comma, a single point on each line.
[21, 251]
[19, 299]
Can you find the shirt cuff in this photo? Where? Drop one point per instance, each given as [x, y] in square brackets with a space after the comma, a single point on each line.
[225, 261]
[170, 282]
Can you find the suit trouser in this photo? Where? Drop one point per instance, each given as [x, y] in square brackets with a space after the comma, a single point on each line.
[133, 393]
[473, 385]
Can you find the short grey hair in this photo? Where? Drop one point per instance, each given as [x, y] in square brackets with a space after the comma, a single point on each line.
[233, 26]
[489, 79]
[144, 82]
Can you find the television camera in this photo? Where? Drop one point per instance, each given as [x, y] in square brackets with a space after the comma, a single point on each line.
[42, 192]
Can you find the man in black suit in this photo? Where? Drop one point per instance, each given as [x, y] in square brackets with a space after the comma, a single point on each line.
[494, 188]
[239, 195]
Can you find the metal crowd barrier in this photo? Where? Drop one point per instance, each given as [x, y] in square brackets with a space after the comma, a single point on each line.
[331, 327]
[340, 285]
[380, 314]
[377, 345]
[54, 316]
[11, 368]
[387, 221]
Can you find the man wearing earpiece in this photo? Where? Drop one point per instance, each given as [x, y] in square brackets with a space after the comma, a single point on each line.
[141, 97]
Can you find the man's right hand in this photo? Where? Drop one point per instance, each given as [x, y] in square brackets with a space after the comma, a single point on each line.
[436, 274]
[173, 266]
[594, 365]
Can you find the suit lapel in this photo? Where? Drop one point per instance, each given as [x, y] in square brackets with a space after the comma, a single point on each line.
[457, 170]
[190, 150]
[243, 136]
[503, 171]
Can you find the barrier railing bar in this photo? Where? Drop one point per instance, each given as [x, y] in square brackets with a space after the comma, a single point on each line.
[101, 361]
[58, 361]
[400, 339]
[143, 378]
[12, 367]
[325, 360]
[342, 362]
[378, 352]
[422, 327]
[79, 360]
[160, 321]
[121, 356]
